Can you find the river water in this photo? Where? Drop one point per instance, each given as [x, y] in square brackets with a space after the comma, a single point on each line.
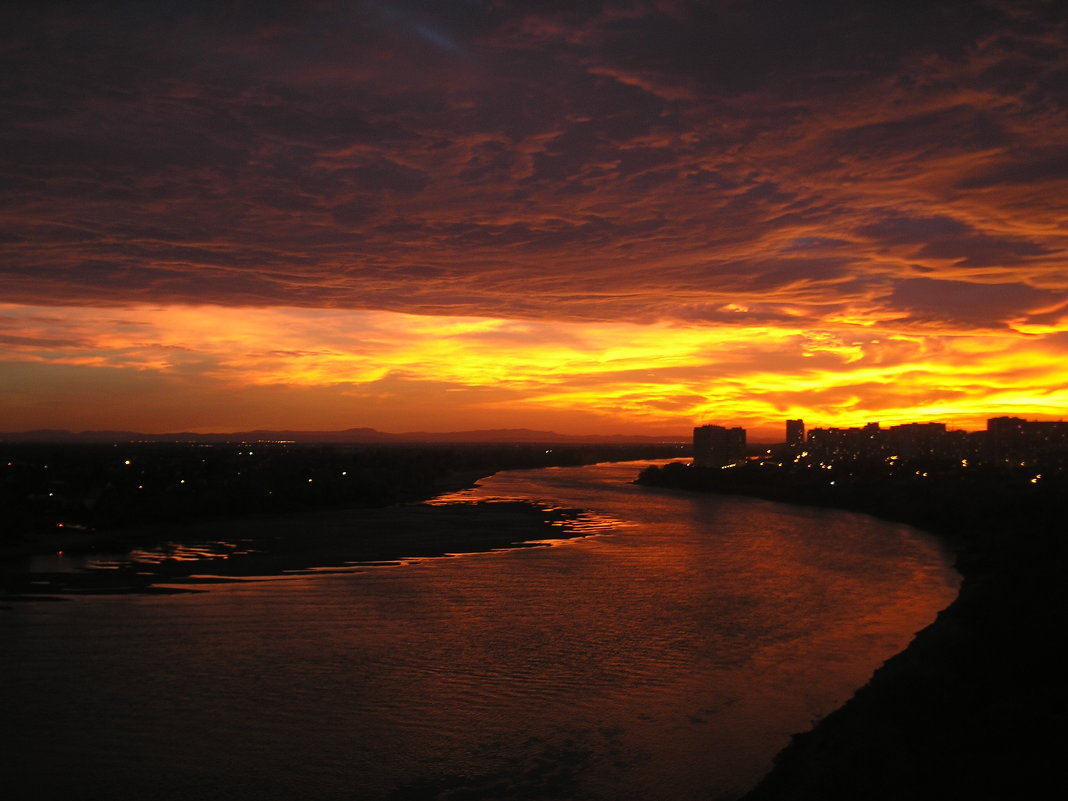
[667, 655]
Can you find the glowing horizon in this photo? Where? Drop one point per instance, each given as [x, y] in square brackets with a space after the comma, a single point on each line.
[654, 378]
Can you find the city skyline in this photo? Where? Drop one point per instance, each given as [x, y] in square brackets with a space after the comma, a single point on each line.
[602, 218]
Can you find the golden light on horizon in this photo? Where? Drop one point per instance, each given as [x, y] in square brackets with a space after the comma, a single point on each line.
[606, 377]
[555, 220]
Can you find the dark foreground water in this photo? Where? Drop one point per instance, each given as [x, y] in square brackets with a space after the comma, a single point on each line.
[668, 656]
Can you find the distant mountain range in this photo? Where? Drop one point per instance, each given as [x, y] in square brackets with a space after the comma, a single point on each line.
[348, 436]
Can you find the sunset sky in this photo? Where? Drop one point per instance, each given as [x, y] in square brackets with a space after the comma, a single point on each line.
[610, 217]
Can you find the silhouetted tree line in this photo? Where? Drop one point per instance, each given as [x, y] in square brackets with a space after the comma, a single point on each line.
[105, 487]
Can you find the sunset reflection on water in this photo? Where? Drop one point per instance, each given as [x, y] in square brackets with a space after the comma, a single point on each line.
[669, 655]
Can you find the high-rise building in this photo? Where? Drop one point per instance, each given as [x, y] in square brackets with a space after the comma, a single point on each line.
[716, 446]
[795, 433]
[916, 440]
[846, 443]
[1012, 438]
[1004, 436]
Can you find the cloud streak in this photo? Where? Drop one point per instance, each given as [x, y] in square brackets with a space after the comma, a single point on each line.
[384, 368]
[736, 171]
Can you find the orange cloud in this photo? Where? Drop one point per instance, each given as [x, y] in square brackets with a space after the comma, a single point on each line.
[602, 215]
[612, 376]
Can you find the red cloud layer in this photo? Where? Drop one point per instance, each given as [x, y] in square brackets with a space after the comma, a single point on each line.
[774, 167]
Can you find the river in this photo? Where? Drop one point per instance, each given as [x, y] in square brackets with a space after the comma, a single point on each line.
[669, 654]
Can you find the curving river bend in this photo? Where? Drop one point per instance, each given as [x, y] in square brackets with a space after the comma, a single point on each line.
[668, 655]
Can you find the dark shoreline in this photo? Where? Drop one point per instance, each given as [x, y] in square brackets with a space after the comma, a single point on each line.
[976, 706]
[70, 496]
[112, 540]
[258, 508]
[272, 545]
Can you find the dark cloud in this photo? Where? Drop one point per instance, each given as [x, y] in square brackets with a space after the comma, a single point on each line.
[14, 342]
[1021, 166]
[800, 48]
[578, 160]
[945, 238]
[983, 250]
[901, 229]
[490, 161]
[959, 128]
[975, 305]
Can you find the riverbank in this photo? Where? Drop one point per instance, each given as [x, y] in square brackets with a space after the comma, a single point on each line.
[976, 707]
[102, 496]
[76, 539]
[179, 557]
[605, 667]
